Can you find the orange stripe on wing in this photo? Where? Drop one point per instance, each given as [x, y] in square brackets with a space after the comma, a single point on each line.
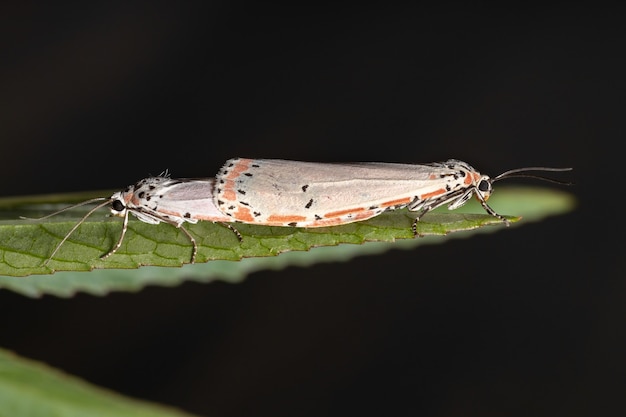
[228, 193]
[336, 221]
[234, 172]
[241, 166]
[284, 219]
[398, 202]
[343, 212]
[364, 215]
[432, 194]
[243, 214]
[327, 222]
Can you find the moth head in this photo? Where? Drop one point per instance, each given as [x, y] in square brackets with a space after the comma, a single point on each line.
[118, 207]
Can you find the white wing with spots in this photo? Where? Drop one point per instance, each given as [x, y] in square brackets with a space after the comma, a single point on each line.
[308, 194]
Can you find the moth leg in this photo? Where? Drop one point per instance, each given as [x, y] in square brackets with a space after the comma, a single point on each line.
[233, 229]
[417, 219]
[120, 240]
[193, 242]
[491, 211]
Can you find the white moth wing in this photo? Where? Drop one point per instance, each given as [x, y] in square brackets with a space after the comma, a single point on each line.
[279, 192]
[190, 200]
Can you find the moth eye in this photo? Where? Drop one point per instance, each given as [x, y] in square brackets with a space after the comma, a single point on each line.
[117, 205]
[484, 185]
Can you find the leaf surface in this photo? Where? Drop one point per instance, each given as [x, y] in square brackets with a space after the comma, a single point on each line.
[26, 244]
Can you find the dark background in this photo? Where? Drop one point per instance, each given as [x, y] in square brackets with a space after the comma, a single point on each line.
[528, 321]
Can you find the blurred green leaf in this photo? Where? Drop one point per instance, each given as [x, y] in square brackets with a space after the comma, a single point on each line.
[33, 389]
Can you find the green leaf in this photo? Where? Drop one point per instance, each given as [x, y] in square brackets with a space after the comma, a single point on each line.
[26, 245]
[29, 388]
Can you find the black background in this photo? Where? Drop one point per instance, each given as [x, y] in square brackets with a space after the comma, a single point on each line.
[528, 321]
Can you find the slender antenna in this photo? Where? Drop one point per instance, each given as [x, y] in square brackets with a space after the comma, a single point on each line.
[93, 200]
[521, 173]
[77, 224]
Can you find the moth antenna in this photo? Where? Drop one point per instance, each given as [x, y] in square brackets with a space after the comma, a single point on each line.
[81, 221]
[93, 200]
[522, 173]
